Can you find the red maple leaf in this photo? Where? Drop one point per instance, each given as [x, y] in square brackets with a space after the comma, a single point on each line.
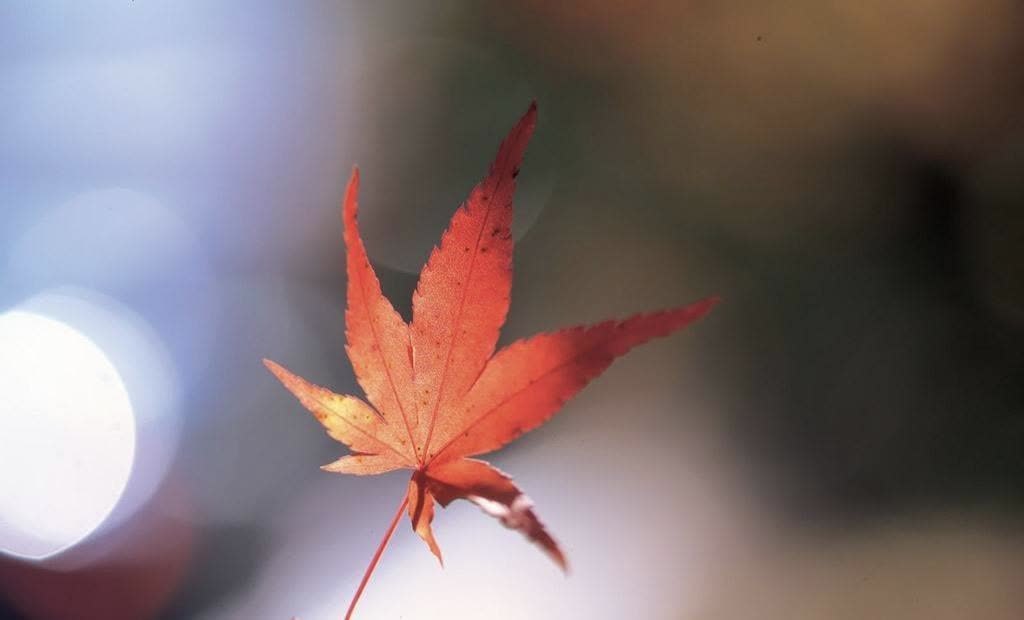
[437, 391]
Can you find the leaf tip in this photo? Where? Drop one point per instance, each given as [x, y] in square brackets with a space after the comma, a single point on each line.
[283, 375]
[555, 553]
[529, 119]
[352, 191]
[432, 545]
[698, 310]
[279, 371]
[353, 181]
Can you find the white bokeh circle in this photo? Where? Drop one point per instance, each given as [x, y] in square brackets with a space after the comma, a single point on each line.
[67, 431]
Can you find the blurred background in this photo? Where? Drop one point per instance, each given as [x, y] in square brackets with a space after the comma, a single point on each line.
[842, 438]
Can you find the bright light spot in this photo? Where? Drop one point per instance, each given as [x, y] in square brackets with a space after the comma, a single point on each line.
[67, 433]
[147, 374]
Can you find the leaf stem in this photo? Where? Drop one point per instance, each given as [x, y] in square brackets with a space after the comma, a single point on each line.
[376, 556]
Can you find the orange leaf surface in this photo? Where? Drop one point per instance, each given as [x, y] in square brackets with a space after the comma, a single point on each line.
[437, 391]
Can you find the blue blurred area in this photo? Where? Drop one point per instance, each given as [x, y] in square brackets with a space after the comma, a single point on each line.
[164, 155]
